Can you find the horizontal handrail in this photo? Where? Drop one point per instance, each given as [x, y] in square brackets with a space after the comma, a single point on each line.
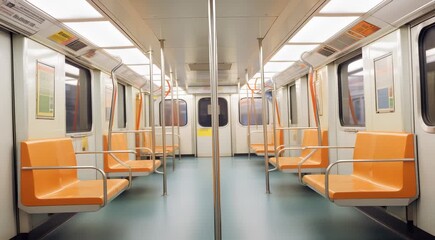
[103, 174]
[116, 159]
[295, 128]
[315, 148]
[357, 160]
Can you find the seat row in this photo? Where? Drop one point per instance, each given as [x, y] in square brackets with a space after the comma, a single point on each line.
[384, 171]
[49, 181]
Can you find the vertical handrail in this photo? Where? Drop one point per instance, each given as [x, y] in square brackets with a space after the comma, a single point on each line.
[249, 113]
[274, 110]
[264, 105]
[162, 114]
[112, 104]
[215, 117]
[172, 121]
[314, 99]
[153, 127]
[178, 121]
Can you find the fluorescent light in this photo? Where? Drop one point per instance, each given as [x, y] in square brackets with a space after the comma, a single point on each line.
[320, 29]
[292, 52]
[140, 69]
[349, 6]
[101, 33]
[266, 75]
[274, 67]
[66, 9]
[129, 55]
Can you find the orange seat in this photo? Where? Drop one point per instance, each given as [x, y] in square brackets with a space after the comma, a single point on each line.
[147, 142]
[115, 168]
[258, 148]
[56, 190]
[378, 183]
[318, 160]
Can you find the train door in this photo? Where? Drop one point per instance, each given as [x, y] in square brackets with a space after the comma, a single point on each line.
[204, 130]
[423, 62]
[7, 216]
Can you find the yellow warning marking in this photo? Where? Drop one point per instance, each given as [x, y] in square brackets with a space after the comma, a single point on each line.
[85, 144]
[204, 132]
[62, 37]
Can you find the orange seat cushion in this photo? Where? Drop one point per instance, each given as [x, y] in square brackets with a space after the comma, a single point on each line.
[59, 187]
[374, 179]
[292, 163]
[136, 166]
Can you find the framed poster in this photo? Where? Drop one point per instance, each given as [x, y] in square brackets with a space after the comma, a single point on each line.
[45, 92]
[384, 84]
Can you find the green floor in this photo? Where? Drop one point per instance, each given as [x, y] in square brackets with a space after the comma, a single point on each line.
[292, 211]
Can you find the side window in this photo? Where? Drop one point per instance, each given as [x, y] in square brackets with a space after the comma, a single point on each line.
[351, 92]
[78, 101]
[204, 112]
[427, 73]
[293, 105]
[256, 108]
[182, 114]
[122, 115]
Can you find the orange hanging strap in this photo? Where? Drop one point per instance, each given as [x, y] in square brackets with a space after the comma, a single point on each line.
[313, 94]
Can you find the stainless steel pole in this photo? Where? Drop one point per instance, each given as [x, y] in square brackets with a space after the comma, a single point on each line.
[248, 101]
[162, 114]
[172, 121]
[113, 105]
[275, 140]
[153, 127]
[178, 122]
[215, 117]
[264, 110]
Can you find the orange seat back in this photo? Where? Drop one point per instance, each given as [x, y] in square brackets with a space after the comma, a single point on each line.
[119, 142]
[310, 138]
[40, 153]
[386, 145]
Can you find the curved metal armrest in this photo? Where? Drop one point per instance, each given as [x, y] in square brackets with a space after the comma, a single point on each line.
[102, 152]
[289, 149]
[103, 174]
[111, 153]
[313, 150]
[328, 170]
[330, 147]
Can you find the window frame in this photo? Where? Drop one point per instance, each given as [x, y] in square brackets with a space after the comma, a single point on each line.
[227, 113]
[261, 111]
[346, 61]
[423, 77]
[124, 103]
[89, 76]
[174, 100]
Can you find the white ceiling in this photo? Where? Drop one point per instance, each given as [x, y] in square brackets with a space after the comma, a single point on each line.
[184, 26]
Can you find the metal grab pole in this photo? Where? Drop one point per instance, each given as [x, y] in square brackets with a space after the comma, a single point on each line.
[153, 127]
[264, 105]
[275, 111]
[162, 114]
[112, 104]
[172, 121]
[215, 117]
[249, 113]
[178, 122]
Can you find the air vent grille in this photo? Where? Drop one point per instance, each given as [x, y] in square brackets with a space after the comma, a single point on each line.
[359, 31]
[326, 51]
[76, 45]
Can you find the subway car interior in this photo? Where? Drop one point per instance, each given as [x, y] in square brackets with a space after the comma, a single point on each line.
[217, 119]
